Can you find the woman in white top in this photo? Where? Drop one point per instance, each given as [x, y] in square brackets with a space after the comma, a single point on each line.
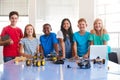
[65, 38]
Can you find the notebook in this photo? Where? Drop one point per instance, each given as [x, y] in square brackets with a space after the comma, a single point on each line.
[98, 50]
[6, 37]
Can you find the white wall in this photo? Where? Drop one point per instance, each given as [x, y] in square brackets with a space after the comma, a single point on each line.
[32, 12]
[53, 11]
[86, 10]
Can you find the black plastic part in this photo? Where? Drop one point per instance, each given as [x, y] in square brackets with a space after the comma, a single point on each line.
[59, 62]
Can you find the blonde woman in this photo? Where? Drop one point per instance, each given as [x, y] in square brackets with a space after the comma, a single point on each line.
[99, 35]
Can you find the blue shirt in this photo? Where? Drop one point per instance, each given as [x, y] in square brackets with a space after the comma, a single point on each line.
[47, 42]
[82, 43]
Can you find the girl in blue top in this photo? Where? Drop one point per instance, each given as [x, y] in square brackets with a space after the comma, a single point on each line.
[65, 38]
[29, 44]
[80, 39]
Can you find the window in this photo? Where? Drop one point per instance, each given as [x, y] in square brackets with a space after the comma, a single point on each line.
[54, 11]
[6, 6]
[109, 11]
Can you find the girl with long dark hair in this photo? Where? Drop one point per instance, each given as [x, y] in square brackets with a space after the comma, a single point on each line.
[65, 38]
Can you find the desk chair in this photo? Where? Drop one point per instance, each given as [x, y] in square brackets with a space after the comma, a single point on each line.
[113, 57]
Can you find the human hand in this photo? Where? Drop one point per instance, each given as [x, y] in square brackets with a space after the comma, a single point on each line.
[63, 56]
[6, 42]
[85, 56]
[29, 56]
[11, 41]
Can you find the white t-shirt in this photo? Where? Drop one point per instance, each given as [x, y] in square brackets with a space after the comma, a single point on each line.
[60, 34]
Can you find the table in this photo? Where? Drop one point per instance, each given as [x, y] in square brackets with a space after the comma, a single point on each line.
[12, 71]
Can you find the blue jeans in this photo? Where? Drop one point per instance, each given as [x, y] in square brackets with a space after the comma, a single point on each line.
[8, 58]
[67, 54]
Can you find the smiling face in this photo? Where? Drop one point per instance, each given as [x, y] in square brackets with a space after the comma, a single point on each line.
[98, 24]
[29, 30]
[82, 26]
[13, 19]
[46, 29]
[66, 25]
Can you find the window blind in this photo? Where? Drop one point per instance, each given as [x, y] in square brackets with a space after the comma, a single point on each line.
[6, 6]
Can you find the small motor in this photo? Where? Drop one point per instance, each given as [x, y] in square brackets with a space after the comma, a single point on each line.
[84, 64]
[98, 60]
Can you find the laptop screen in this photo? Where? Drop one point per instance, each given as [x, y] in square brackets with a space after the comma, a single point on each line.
[98, 50]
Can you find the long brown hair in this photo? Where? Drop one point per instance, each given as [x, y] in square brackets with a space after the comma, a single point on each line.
[25, 34]
[69, 32]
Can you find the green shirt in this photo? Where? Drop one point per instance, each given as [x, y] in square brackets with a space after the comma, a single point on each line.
[98, 40]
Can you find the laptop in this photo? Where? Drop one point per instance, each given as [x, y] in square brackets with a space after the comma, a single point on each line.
[98, 50]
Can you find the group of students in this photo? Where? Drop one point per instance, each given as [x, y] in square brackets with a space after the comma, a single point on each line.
[65, 43]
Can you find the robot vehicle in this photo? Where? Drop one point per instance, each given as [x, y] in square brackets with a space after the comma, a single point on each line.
[98, 60]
